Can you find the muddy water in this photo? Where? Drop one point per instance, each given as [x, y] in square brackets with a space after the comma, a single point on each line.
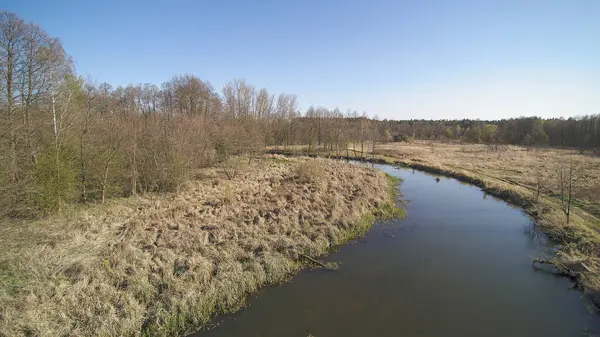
[458, 265]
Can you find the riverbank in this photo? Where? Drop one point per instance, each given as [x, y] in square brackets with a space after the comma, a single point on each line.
[166, 264]
[454, 247]
[509, 174]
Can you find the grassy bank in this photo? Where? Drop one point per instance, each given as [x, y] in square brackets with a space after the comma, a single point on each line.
[166, 264]
[510, 173]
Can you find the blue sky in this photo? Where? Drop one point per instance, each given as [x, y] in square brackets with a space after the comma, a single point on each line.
[397, 59]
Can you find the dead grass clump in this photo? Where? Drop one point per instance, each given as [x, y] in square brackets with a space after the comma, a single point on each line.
[308, 171]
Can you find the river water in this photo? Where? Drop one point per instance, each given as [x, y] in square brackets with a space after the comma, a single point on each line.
[458, 265]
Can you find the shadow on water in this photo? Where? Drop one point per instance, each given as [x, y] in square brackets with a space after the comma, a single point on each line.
[458, 265]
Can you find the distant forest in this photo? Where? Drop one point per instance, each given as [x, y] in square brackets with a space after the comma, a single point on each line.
[66, 139]
[580, 132]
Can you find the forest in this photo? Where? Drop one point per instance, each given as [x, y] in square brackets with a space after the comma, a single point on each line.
[66, 139]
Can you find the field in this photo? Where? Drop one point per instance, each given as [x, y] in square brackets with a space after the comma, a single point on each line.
[164, 264]
[514, 174]
[512, 165]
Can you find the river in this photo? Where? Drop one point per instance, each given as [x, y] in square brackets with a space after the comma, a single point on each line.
[458, 265]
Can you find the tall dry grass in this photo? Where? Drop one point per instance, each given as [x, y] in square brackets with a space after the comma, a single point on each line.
[165, 264]
[526, 177]
[510, 165]
[517, 174]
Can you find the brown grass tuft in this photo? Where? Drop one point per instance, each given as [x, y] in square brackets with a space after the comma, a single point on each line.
[308, 171]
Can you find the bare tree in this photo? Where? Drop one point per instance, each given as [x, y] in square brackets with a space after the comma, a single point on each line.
[11, 40]
[89, 97]
[239, 98]
[568, 174]
[375, 133]
[541, 179]
[65, 93]
[264, 104]
[109, 148]
[364, 131]
[286, 110]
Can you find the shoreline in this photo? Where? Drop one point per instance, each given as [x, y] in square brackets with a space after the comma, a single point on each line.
[576, 242]
[168, 264]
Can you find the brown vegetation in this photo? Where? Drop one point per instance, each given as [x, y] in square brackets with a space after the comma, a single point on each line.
[66, 140]
[164, 264]
[80, 259]
[560, 187]
[526, 169]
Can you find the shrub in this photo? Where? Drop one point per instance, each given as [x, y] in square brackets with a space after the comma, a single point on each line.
[308, 171]
[57, 181]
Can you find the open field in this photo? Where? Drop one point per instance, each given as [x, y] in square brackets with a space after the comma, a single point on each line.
[165, 264]
[513, 165]
[512, 173]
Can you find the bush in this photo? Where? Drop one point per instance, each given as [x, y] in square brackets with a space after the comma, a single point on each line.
[400, 138]
[56, 181]
[308, 171]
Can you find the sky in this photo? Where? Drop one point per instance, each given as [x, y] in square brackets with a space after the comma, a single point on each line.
[430, 59]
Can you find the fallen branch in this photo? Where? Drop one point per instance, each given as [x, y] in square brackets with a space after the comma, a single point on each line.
[586, 267]
[314, 261]
[542, 261]
[562, 268]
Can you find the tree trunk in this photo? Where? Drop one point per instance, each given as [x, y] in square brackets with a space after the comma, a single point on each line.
[134, 164]
[347, 151]
[362, 146]
[82, 161]
[56, 147]
[13, 167]
[57, 186]
[104, 180]
[570, 197]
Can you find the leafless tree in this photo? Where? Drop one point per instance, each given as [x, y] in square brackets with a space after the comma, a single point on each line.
[541, 179]
[568, 174]
[11, 41]
[89, 97]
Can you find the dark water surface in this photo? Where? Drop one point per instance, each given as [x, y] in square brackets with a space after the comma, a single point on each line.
[458, 265]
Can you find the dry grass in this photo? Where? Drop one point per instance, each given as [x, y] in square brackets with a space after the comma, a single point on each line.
[165, 264]
[510, 164]
[308, 171]
[510, 173]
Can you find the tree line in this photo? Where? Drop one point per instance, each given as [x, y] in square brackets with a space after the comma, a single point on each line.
[576, 132]
[66, 139]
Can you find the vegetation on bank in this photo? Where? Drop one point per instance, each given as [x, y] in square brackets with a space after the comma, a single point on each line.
[559, 187]
[66, 140]
[164, 264]
[581, 132]
[68, 144]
